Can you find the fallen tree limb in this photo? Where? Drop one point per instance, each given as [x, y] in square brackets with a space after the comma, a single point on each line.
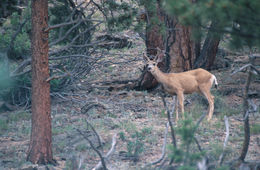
[223, 154]
[91, 105]
[109, 153]
[95, 132]
[95, 149]
[57, 77]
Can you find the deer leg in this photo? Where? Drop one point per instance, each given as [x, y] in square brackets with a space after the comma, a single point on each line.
[211, 109]
[181, 100]
[210, 98]
[176, 108]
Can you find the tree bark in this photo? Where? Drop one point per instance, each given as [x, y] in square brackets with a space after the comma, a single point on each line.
[40, 149]
[209, 50]
[153, 39]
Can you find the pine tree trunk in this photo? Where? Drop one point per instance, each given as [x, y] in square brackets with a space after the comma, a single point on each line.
[40, 149]
[153, 39]
[209, 50]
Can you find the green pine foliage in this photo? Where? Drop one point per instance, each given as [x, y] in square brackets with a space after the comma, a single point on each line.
[7, 7]
[60, 11]
[120, 15]
[21, 43]
[240, 18]
[186, 153]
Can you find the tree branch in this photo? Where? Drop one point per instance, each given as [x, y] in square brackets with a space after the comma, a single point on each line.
[95, 132]
[223, 154]
[110, 152]
[95, 149]
[169, 120]
[57, 77]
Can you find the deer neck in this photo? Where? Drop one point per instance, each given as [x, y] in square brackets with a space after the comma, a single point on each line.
[160, 76]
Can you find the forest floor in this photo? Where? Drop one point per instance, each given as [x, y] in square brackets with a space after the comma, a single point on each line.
[137, 117]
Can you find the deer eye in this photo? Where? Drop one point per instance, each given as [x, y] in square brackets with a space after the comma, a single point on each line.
[153, 64]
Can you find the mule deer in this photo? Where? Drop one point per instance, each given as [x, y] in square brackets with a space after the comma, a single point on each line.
[198, 80]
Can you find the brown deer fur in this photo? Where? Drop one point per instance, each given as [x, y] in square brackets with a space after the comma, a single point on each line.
[198, 80]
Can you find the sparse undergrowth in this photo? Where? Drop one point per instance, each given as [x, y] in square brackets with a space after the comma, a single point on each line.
[138, 118]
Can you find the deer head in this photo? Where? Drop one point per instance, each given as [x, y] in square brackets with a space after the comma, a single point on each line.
[153, 64]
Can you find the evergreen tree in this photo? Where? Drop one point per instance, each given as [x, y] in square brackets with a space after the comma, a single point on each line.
[240, 19]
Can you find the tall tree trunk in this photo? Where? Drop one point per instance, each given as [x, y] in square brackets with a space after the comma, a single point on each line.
[40, 149]
[153, 39]
[209, 50]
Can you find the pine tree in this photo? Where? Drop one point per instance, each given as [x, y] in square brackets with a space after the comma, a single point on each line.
[240, 19]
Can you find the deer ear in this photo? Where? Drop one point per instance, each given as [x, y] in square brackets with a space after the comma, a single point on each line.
[160, 57]
[158, 51]
[145, 57]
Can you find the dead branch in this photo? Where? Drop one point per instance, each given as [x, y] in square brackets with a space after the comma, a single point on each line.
[223, 154]
[109, 153]
[99, 8]
[73, 40]
[202, 165]
[69, 56]
[95, 132]
[254, 70]
[20, 68]
[91, 105]
[198, 144]
[57, 77]
[199, 121]
[69, 23]
[163, 148]
[169, 120]
[94, 148]
[67, 33]
[246, 109]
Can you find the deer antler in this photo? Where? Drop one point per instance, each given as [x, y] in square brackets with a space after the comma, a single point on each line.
[146, 57]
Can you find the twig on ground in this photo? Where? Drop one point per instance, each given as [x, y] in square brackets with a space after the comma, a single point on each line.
[20, 68]
[222, 156]
[91, 105]
[252, 67]
[163, 148]
[57, 77]
[95, 149]
[202, 165]
[199, 121]
[109, 153]
[95, 132]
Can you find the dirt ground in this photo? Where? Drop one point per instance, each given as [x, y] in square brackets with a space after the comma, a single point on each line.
[128, 113]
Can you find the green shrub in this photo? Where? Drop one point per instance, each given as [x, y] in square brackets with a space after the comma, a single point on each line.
[135, 146]
[255, 129]
[184, 153]
[21, 43]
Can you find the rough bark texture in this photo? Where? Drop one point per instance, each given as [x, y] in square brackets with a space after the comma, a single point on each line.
[182, 51]
[153, 39]
[40, 149]
[209, 50]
